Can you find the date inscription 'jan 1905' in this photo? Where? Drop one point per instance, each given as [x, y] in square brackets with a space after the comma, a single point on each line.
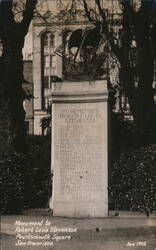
[81, 153]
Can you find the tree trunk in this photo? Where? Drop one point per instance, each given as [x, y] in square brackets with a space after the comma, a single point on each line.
[12, 129]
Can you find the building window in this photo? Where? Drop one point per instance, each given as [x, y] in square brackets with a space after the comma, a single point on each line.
[48, 58]
[48, 39]
[46, 82]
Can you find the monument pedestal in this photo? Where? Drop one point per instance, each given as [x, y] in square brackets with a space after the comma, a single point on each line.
[80, 149]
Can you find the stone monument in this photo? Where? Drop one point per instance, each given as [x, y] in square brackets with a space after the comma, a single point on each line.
[80, 149]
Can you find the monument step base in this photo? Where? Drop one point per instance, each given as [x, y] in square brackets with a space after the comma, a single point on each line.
[38, 212]
[80, 209]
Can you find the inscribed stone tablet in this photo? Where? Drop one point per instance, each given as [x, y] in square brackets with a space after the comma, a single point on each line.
[80, 152]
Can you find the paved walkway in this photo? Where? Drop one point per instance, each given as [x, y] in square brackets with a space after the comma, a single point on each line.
[111, 223]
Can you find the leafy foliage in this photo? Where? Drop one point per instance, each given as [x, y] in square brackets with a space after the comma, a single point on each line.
[132, 182]
[37, 174]
[123, 133]
[26, 179]
[11, 182]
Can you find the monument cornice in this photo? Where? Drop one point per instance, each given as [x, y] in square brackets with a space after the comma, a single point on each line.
[80, 101]
[64, 23]
[79, 97]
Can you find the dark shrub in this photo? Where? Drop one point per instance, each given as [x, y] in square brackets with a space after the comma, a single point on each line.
[123, 132]
[132, 180]
[11, 183]
[26, 179]
[37, 173]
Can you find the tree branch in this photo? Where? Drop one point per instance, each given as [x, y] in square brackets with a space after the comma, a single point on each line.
[101, 11]
[87, 11]
[42, 17]
[28, 14]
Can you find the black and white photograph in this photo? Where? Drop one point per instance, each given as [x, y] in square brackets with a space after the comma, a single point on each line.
[78, 124]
